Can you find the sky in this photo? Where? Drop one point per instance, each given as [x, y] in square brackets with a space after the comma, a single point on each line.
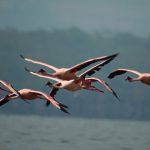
[131, 16]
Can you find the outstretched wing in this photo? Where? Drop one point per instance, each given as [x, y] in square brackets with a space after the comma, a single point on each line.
[4, 101]
[51, 100]
[84, 64]
[44, 75]
[52, 94]
[39, 63]
[122, 71]
[7, 98]
[10, 87]
[92, 70]
[106, 85]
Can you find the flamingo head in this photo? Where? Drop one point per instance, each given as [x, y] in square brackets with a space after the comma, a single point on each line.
[129, 79]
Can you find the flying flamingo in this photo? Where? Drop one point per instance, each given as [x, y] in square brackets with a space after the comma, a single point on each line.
[143, 77]
[76, 84]
[70, 73]
[28, 94]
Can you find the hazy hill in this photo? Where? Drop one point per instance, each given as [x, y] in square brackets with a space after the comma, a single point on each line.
[65, 48]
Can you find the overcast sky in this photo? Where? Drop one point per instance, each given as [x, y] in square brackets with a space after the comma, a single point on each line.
[92, 15]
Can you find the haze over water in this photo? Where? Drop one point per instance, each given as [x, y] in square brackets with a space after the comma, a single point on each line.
[105, 16]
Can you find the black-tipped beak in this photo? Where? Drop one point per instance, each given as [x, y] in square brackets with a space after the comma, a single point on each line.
[26, 69]
[21, 56]
[115, 55]
[128, 78]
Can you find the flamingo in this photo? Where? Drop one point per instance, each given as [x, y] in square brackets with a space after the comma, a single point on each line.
[70, 73]
[143, 77]
[76, 84]
[28, 94]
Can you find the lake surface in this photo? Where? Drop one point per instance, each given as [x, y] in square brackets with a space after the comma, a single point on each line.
[67, 133]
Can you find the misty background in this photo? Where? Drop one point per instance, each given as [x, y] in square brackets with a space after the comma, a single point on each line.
[64, 33]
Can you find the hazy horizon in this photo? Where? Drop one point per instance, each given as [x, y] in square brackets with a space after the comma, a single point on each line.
[103, 16]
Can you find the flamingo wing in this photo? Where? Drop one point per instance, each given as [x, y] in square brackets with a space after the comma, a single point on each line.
[84, 64]
[44, 75]
[7, 98]
[4, 100]
[40, 63]
[10, 87]
[53, 91]
[92, 70]
[52, 94]
[51, 100]
[106, 85]
[122, 71]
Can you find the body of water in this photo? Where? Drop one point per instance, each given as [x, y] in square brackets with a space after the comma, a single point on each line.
[66, 133]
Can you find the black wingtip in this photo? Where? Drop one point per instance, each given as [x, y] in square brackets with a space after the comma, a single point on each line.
[116, 73]
[64, 110]
[62, 105]
[22, 56]
[116, 96]
[110, 76]
[4, 101]
[26, 69]
[114, 55]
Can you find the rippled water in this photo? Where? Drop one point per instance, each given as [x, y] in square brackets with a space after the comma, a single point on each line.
[47, 133]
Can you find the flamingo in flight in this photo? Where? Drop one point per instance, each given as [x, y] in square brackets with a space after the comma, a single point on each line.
[28, 94]
[143, 77]
[76, 84]
[70, 73]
